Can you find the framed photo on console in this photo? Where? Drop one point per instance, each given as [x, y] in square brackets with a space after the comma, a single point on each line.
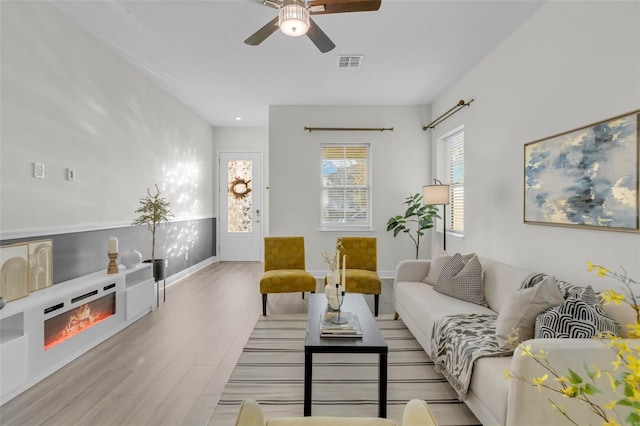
[14, 271]
[585, 178]
[40, 264]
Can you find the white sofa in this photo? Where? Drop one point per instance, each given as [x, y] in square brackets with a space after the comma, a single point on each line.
[493, 398]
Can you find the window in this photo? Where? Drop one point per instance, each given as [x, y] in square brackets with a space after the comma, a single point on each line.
[345, 186]
[455, 162]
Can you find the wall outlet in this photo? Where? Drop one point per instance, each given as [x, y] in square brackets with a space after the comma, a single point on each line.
[38, 170]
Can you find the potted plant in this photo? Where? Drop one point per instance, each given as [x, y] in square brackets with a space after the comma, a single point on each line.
[417, 213]
[154, 210]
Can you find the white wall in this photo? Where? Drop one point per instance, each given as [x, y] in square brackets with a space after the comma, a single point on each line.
[571, 64]
[69, 102]
[399, 167]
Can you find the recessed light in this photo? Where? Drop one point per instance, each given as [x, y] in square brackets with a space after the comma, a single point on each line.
[238, 118]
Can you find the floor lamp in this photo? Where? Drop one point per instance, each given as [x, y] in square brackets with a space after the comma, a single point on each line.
[437, 194]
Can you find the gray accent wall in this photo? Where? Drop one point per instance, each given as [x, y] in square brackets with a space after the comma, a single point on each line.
[184, 243]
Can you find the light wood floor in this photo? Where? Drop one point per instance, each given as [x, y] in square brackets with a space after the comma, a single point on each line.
[168, 368]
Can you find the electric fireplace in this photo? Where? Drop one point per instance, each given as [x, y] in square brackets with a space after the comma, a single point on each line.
[73, 322]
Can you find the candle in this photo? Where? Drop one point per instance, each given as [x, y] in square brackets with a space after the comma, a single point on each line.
[344, 273]
[113, 245]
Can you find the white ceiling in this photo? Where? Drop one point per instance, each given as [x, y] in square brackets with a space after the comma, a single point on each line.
[195, 50]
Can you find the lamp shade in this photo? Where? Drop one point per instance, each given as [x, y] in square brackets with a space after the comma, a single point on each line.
[435, 194]
[293, 20]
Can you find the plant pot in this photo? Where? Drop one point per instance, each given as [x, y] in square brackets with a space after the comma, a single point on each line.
[158, 269]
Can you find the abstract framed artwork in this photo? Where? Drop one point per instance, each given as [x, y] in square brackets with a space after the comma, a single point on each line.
[586, 178]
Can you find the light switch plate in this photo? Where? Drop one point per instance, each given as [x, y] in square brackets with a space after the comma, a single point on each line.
[38, 170]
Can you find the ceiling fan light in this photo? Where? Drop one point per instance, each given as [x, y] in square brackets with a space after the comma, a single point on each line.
[293, 20]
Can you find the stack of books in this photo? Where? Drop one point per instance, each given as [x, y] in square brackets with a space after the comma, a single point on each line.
[350, 328]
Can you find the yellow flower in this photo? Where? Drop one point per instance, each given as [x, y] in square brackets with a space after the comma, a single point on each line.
[602, 272]
[634, 331]
[569, 391]
[611, 296]
[617, 363]
[590, 266]
[612, 381]
[538, 381]
[634, 365]
[623, 347]
[597, 372]
[610, 406]
[526, 350]
[611, 422]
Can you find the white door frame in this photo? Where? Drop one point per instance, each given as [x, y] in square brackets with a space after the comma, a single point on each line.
[257, 188]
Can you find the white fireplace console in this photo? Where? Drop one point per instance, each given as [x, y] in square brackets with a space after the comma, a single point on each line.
[24, 361]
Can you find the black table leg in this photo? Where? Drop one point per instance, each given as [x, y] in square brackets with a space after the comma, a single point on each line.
[382, 386]
[308, 369]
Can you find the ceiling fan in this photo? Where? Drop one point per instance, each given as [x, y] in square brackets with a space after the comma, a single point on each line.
[293, 18]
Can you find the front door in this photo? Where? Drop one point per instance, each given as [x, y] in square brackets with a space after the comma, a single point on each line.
[240, 206]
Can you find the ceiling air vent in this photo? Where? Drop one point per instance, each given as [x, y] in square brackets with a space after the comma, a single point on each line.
[350, 61]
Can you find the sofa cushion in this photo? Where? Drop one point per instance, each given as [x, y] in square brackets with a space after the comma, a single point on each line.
[462, 280]
[580, 316]
[423, 306]
[521, 308]
[438, 262]
[500, 279]
[623, 314]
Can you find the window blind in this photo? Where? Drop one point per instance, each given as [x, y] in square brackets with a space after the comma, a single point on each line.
[455, 154]
[345, 186]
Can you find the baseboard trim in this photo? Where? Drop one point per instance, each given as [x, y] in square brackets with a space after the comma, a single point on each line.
[382, 274]
[175, 278]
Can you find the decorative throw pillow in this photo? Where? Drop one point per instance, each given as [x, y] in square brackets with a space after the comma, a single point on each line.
[462, 280]
[521, 308]
[438, 262]
[580, 316]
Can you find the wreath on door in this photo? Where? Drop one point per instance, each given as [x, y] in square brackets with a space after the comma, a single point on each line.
[239, 188]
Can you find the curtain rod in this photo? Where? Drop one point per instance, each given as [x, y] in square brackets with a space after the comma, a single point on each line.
[348, 129]
[461, 104]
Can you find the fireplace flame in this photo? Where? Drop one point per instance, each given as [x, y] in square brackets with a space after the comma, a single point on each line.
[78, 321]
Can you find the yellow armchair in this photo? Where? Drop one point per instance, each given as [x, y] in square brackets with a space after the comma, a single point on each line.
[362, 266]
[284, 268]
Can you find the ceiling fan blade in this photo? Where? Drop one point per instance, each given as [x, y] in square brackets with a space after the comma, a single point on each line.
[323, 7]
[319, 38]
[264, 32]
[276, 4]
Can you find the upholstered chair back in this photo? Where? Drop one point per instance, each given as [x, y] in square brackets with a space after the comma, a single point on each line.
[361, 253]
[283, 253]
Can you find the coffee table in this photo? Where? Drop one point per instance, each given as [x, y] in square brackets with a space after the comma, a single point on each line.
[371, 341]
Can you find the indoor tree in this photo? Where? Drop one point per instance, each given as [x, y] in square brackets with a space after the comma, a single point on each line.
[416, 219]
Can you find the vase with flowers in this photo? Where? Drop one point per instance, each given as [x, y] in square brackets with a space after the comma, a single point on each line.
[623, 376]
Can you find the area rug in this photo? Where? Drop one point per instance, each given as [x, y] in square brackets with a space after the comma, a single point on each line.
[271, 371]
